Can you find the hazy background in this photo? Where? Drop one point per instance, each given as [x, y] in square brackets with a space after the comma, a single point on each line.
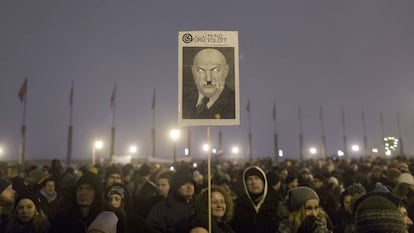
[337, 54]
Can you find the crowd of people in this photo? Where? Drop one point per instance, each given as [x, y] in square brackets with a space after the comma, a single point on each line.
[372, 194]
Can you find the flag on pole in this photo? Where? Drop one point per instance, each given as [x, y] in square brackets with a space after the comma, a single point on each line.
[248, 106]
[153, 99]
[274, 111]
[71, 95]
[23, 91]
[113, 97]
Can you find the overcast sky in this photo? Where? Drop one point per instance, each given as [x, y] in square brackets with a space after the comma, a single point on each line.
[336, 54]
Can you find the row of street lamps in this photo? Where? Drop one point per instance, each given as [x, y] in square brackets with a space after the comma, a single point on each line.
[176, 133]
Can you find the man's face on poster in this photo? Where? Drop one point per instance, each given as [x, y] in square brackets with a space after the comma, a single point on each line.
[210, 71]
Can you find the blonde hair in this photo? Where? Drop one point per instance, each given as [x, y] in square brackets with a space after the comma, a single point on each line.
[297, 217]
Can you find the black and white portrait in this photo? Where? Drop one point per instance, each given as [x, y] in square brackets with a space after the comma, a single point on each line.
[208, 85]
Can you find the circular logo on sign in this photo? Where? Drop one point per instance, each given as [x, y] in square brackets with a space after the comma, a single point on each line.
[187, 38]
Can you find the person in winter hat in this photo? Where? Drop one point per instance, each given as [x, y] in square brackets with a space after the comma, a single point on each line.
[113, 175]
[378, 212]
[87, 203]
[255, 209]
[306, 215]
[174, 213]
[27, 216]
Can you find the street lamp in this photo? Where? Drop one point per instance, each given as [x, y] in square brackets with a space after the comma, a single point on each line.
[235, 150]
[133, 149]
[174, 135]
[355, 148]
[97, 145]
[313, 150]
[206, 147]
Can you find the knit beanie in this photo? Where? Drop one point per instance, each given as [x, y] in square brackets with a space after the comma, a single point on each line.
[297, 197]
[113, 170]
[4, 184]
[92, 179]
[105, 222]
[181, 177]
[254, 171]
[28, 195]
[272, 178]
[379, 213]
[290, 178]
[116, 189]
[144, 170]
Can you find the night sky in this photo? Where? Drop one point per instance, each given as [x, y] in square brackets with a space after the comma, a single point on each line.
[353, 55]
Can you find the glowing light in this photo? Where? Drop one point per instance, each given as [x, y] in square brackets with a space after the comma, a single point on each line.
[374, 150]
[280, 152]
[206, 147]
[340, 153]
[133, 149]
[98, 144]
[355, 148]
[313, 150]
[235, 150]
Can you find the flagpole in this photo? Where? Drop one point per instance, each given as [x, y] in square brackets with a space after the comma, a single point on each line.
[113, 104]
[23, 134]
[400, 140]
[344, 138]
[382, 131]
[23, 97]
[153, 123]
[323, 138]
[364, 128]
[70, 129]
[301, 154]
[275, 136]
[220, 140]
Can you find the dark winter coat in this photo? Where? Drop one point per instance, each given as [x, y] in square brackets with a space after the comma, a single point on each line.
[260, 218]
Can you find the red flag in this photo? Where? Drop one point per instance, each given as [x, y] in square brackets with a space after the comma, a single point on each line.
[153, 100]
[113, 97]
[248, 106]
[23, 91]
[71, 95]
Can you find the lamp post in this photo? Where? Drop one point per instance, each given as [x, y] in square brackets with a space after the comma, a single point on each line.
[174, 135]
[97, 145]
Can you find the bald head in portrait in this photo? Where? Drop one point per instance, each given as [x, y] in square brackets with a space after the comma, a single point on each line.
[209, 96]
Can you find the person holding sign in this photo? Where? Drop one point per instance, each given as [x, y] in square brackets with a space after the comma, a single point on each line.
[212, 99]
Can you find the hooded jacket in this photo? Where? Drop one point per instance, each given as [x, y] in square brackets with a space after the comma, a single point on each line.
[173, 214]
[255, 213]
[71, 220]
